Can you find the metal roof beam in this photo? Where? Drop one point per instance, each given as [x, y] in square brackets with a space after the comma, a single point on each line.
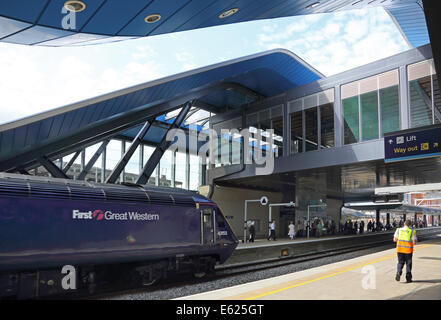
[92, 160]
[102, 129]
[247, 92]
[52, 168]
[72, 160]
[116, 172]
[206, 106]
[154, 159]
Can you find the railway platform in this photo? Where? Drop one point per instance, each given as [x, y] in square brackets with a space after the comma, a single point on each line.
[369, 277]
[262, 250]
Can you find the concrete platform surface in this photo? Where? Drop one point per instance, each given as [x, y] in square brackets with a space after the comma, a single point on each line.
[370, 277]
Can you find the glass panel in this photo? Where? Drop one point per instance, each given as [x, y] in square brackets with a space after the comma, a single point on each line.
[420, 102]
[436, 97]
[132, 167]
[311, 129]
[225, 140]
[277, 125]
[237, 148]
[351, 121]
[194, 172]
[10, 26]
[389, 107]
[148, 151]
[180, 171]
[296, 132]
[166, 169]
[327, 125]
[113, 154]
[36, 34]
[369, 115]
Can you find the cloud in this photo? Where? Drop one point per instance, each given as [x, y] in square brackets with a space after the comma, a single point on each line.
[336, 42]
[39, 79]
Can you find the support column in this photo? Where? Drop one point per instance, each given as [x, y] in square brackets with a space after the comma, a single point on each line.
[173, 169]
[103, 165]
[92, 161]
[162, 147]
[377, 218]
[416, 220]
[52, 168]
[404, 99]
[286, 130]
[338, 118]
[126, 155]
[187, 171]
[67, 167]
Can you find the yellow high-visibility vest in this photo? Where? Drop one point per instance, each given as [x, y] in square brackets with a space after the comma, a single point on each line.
[405, 243]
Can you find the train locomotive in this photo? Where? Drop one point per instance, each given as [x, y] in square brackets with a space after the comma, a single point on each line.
[101, 231]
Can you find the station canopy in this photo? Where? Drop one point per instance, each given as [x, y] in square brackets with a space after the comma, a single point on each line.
[233, 83]
[88, 22]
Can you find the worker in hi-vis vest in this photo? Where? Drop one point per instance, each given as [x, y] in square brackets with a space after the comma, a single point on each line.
[405, 238]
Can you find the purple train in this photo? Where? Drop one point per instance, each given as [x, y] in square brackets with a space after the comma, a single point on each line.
[125, 233]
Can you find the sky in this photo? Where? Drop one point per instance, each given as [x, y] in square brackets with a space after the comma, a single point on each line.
[37, 79]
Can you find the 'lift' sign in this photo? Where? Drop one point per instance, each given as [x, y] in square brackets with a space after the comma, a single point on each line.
[412, 144]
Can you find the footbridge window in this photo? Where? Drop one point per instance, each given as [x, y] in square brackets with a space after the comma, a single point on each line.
[312, 122]
[370, 107]
[424, 96]
[260, 125]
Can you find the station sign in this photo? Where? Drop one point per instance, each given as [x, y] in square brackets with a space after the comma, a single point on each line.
[264, 201]
[412, 144]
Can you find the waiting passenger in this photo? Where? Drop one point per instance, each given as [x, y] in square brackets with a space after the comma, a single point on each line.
[252, 231]
[361, 226]
[291, 232]
[272, 228]
[319, 228]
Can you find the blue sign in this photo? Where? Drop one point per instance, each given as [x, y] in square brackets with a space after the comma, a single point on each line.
[413, 144]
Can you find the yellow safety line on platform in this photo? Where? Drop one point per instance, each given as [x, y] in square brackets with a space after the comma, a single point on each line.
[333, 274]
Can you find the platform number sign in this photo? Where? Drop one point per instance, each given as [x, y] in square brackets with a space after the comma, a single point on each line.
[264, 201]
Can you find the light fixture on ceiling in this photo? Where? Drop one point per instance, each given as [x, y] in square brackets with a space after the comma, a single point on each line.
[75, 5]
[152, 18]
[228, 13]
[313, 5]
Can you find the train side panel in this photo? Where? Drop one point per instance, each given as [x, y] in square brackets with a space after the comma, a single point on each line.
[39, 233]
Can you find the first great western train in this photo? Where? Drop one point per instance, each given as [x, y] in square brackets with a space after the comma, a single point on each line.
[101, 231]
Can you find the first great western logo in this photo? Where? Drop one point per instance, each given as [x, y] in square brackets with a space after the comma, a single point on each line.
[99, 215]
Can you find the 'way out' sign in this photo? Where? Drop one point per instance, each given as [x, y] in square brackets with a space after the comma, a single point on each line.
[411, 144]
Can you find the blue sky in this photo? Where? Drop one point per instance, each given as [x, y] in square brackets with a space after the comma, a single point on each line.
[36, 79]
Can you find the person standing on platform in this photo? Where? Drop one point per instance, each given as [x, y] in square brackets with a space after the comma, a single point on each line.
[252, 231]
[273, 230]
[405, 238]
[291, 232]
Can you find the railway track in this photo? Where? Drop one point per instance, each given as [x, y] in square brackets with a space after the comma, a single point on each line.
[223, 272]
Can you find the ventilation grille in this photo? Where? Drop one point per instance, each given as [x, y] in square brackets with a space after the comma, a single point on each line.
[13, 189]
[48, 191]
[183, 201]
[78, 193]
[126, 195]
[161, 198]
[25, 188]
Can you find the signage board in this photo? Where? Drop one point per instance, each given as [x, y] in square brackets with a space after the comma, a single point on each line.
[412, 144]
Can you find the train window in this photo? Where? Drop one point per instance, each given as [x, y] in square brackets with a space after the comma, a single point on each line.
[220, 219]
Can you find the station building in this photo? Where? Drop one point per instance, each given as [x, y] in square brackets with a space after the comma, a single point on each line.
[326, 136]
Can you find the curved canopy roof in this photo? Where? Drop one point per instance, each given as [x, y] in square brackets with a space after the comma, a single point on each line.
[45, 23]
[68, 128]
